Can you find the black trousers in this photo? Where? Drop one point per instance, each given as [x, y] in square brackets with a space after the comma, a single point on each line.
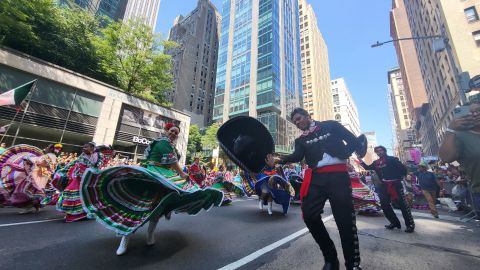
[385, 202]
[336, 187]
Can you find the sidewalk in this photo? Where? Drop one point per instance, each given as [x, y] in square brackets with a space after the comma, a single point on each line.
[436, 244]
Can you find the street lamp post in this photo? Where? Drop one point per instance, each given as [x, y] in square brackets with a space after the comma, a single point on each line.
[441, 44]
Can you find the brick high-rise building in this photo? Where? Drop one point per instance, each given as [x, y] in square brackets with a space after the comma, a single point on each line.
[195, 62]
[458, 21]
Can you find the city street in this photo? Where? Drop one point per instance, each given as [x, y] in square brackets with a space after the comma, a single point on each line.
[235, 236]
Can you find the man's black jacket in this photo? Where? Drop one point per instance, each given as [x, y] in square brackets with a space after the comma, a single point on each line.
[391, 170]
[328, 137]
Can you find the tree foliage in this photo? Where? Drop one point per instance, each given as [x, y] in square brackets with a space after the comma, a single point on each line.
[209, 140]
[42, 29]
[126, 55]
[194, 147]
[132, 55]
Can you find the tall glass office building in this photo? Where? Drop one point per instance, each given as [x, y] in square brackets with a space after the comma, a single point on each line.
[258, 70]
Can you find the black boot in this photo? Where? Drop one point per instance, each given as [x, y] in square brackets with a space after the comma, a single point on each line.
[393, 226]
[410, 229]
[331, 265]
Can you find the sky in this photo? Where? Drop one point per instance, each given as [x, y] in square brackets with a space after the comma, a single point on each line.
[349, 28]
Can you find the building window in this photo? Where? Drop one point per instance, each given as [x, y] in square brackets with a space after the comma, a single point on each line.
[476, 37]
[471, 14]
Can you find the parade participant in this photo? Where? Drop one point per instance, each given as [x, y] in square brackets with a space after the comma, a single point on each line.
[195, 173]
[15, 167]
[71, 175]
[270, 186]
[295, 179]
[326, 146]
[263, 192]
[391, 172]
[51, 193]
[123, 198]
[365, 201]
[31, 190]
[108, 154]
[249, 144]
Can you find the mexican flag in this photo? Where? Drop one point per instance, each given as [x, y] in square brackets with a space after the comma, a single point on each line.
[17, 95]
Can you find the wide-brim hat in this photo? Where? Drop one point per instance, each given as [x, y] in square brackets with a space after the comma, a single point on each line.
[246, 141]
[361, 151]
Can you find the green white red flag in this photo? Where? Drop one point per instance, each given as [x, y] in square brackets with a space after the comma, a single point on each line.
[16, 95]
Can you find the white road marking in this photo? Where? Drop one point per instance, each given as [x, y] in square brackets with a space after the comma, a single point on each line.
[245, 260]
[29, 222]
[243, 200]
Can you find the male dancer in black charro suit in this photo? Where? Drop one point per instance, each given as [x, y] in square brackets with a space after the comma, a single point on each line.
[326, 147]
[391, 172]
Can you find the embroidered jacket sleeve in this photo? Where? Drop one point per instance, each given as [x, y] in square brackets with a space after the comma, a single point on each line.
[297, 155]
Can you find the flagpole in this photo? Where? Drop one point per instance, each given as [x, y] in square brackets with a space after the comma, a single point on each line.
[34, 86]
[9, 125]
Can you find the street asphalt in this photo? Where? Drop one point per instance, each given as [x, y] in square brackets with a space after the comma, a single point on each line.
[225, 235]
[209, 240]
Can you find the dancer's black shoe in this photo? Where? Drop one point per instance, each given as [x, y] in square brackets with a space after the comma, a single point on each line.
[331, 265]
[410, 229]
[393, 226]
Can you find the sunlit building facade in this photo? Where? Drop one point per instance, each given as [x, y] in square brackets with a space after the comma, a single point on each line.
[259, 69]
[315, 68]
[344, 108]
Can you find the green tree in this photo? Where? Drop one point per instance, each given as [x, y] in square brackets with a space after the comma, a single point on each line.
[62, 36]
[209, 140]
[131, 55]
[194, 147]
[127, 55]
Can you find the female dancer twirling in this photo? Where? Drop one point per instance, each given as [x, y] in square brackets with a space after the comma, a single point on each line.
[26, 171]
[69, 201]
[124, 198]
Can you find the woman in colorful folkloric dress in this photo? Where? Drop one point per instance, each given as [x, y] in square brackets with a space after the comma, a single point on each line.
[25, 170]
[31, 191]
[123, 198]
[365, 201]
[70, 176]
[224, 182]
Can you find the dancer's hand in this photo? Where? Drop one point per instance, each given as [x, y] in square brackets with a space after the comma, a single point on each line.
[184, 175]
[277, 160]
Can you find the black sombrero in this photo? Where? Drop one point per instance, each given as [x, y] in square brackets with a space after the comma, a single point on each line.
[361, 151]
[246, 141]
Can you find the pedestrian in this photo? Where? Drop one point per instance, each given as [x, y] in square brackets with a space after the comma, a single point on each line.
[322, 145]
[429, 184]
[391, 172]
[461, 142]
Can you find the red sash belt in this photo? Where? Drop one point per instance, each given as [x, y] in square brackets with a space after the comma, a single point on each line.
[325, 169]
[391, 190]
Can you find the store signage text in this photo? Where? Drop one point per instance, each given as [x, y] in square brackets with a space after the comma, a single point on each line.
[140, 140]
